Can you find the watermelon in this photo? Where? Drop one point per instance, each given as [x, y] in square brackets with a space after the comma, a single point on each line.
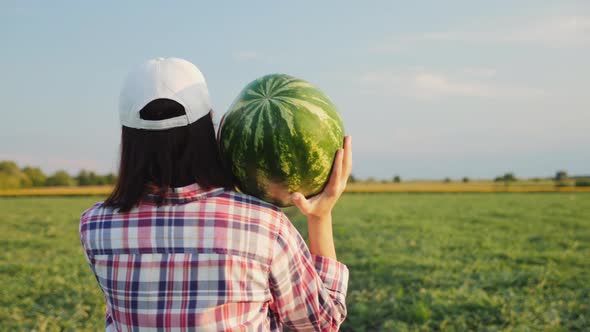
[280, 136]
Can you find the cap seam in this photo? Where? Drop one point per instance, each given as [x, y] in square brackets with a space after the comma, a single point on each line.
[175, 94]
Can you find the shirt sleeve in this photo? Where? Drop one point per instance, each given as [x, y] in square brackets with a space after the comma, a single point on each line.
[82, 231]
[109, 326]
[308, 291]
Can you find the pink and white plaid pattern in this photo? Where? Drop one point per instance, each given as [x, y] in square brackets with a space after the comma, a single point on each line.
[212, 260]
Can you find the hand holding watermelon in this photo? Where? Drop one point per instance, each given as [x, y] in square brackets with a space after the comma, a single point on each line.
[320, 206]
[279, 138]
[318, 209]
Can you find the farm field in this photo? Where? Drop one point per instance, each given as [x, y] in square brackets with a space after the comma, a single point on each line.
[418, 262]
[481, 186]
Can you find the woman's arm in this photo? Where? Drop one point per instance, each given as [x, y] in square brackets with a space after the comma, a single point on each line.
[308, 291]
[308, 284]
[318, 209]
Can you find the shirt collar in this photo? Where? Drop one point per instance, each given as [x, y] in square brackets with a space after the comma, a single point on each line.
[181, 195]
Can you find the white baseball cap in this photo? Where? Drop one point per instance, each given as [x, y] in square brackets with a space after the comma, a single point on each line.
[164, 78]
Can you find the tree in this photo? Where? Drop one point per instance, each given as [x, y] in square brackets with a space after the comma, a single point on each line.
[94, 179]
[9, 167]
[83, 178]
[447, 180]
[89, 178]
[507, 178]
[397, 179]
[12, 177]
[465, 180]
[351, 178]
[8, 182]
[60, 178]
[561, 178]
[36, 175]
[110, 178]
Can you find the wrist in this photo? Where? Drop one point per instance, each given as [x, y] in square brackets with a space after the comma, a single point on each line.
[320, 219]
[321, 240]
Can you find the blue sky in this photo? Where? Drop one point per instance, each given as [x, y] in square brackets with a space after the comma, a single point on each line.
[427, 89]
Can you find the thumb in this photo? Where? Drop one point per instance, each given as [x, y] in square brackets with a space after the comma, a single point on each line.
[300, 202]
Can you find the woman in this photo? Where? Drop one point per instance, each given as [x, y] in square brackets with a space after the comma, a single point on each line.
[174, 248]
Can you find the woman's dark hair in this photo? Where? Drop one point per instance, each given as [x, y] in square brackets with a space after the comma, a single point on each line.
[168, 158]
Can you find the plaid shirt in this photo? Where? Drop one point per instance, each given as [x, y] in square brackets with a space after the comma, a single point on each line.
[212, 260]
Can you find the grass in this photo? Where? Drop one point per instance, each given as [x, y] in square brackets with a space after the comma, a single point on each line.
[46, 282]
[418, 262]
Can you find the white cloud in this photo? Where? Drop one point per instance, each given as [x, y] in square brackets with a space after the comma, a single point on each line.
[247, 56]
[423, 84]
[482, 72]
[433, 85]
[558, 31]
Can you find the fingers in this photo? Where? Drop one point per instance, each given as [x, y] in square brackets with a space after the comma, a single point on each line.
[301, 203]
[334, 181]
[347, 160]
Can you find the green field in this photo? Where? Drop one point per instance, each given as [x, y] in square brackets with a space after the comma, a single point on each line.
[418, 262]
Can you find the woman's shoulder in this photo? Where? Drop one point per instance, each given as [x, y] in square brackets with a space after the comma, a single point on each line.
[253, 207]
[248, 200]
[91, 210]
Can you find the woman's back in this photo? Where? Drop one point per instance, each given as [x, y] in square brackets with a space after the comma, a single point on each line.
[174, 249]
[209, 260]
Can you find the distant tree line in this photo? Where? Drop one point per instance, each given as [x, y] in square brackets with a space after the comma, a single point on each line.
[561, 179]
[13, 177]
